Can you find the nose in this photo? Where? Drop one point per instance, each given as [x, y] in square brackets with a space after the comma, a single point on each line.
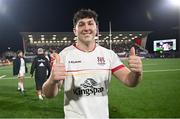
[86, 27]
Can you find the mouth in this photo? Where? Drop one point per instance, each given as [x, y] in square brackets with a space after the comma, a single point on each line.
[87, 35]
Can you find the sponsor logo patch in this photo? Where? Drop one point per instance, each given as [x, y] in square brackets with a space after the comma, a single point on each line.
[89, 87]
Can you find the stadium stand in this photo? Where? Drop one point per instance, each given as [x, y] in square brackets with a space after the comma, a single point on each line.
[120, 42]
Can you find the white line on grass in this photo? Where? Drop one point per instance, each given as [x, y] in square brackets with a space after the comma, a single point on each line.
[149, 64]
[163, 70]
[2, 76]
[14, 78]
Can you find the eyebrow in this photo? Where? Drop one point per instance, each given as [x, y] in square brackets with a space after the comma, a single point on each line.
[91, 20]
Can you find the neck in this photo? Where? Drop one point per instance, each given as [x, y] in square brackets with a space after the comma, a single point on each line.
[86, 47]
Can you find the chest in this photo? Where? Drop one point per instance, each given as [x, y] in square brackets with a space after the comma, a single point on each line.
[91, 61]
[87, 72]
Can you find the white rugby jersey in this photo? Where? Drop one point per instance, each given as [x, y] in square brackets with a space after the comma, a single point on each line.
[87, 81]
[22, 67]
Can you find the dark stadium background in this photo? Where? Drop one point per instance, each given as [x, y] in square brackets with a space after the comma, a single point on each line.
[157, 95]
[56, 16]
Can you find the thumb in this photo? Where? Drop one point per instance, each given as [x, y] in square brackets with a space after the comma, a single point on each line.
[57, 58]
[132, 51]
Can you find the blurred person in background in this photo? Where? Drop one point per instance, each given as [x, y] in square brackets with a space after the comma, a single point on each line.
[42, 69]
[19, 69]
[47, 55]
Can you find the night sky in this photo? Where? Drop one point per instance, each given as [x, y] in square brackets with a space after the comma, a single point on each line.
[56, 16]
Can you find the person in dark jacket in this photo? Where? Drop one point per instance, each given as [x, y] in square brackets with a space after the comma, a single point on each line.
[19, 69]
[41, 66]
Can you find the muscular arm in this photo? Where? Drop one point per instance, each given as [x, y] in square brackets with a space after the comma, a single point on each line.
[131, 76]
[128, 77]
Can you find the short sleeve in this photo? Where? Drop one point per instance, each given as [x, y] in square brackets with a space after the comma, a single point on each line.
[116, 63]
[62, 57]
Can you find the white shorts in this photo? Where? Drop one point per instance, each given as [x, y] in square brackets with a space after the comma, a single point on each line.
[21, 72]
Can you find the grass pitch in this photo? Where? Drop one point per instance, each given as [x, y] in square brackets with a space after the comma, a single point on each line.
[157, 95]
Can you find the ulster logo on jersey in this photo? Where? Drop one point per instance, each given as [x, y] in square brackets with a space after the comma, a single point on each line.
[101, 60]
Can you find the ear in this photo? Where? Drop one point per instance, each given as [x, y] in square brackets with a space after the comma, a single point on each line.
[97, 31]
[74, 30]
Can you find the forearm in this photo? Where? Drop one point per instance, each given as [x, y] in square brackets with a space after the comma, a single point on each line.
[133, 79]
[52, 85]
[50, 88]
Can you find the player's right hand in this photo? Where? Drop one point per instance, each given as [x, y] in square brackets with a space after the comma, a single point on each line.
[58, 70]
[135, 63]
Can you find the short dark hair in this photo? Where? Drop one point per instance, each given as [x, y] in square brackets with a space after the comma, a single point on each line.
[85, 13]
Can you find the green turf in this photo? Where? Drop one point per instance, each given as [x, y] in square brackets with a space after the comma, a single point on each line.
[158, 95]
[13, 104]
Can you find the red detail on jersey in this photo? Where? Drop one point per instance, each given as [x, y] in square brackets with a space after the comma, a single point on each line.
[85, 70]
[82, 49]
[117, 68]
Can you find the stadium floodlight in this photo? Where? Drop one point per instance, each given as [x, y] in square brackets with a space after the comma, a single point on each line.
[3, 7]
[65, 38]
[42, 38]
[31, 39]
[54, 38]
[130, 34]
[175, 2]
[121, 34]
[29, 35]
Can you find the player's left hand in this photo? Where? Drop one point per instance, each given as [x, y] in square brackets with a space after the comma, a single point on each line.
[135, 63]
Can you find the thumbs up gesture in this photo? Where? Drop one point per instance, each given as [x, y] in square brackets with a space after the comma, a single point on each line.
[58, 70]
[135, 63]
